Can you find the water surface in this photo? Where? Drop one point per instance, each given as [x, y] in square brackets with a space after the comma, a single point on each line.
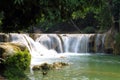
[83, 67]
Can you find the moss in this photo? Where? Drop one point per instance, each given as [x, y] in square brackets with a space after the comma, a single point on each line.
[15, 74]
[21, 59]
[16, 64]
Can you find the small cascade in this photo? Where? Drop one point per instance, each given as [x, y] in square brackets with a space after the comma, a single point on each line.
[18, 38]
[76, 43]
[51, 41]
[36, 49]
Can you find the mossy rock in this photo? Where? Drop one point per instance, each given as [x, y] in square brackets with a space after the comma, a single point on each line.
[16, 65]
[14, 54]
[8, 49]
[20, 60]
[14, 59]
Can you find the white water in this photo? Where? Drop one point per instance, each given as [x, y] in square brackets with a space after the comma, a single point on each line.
[51, 41]
[76, 43]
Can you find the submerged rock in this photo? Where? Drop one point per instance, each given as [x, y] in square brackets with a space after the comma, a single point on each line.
[46, 66]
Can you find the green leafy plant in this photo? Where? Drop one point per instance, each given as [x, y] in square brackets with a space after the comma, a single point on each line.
[89, 30]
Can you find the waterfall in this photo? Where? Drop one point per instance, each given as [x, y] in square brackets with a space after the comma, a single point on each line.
[51, 41]
[76, 43]
[36, 49]
[59, 43]
[56, 45]
[47, 46]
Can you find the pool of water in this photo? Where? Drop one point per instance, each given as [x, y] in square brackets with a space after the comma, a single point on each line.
[83, 67]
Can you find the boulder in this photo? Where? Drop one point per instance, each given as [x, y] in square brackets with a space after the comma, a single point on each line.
[14, 55]
[9, 49]
[4, 37]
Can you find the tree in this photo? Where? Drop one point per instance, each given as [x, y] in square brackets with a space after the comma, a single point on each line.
[21, 14]
[18, 14]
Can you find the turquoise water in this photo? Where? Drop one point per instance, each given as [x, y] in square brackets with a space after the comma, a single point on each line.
[83, 67]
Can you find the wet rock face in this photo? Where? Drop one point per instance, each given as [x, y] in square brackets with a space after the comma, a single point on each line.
[4, 37]
[13, 55]
[109, 43]
[92, 44]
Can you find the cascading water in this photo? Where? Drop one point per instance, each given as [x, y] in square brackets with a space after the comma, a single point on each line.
[51, 41]
[76, 43]
[62, 43]
[49, 45]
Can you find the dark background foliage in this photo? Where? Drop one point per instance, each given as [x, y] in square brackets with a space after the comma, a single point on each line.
[48, 15]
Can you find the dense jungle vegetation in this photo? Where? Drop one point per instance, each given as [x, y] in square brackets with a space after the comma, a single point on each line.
[59, 15]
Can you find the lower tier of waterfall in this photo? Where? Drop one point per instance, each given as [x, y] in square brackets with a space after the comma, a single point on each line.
[61, 43]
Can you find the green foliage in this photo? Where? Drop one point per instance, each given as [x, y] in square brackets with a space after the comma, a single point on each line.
[1, 17]
[20, 60]
[89, 30]
[104, 17]
[109, 13]
[21, 14]
[16, 64]
[18, 14]
[12, 73]
[18, 1]
[117, 38]
[117, 44]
